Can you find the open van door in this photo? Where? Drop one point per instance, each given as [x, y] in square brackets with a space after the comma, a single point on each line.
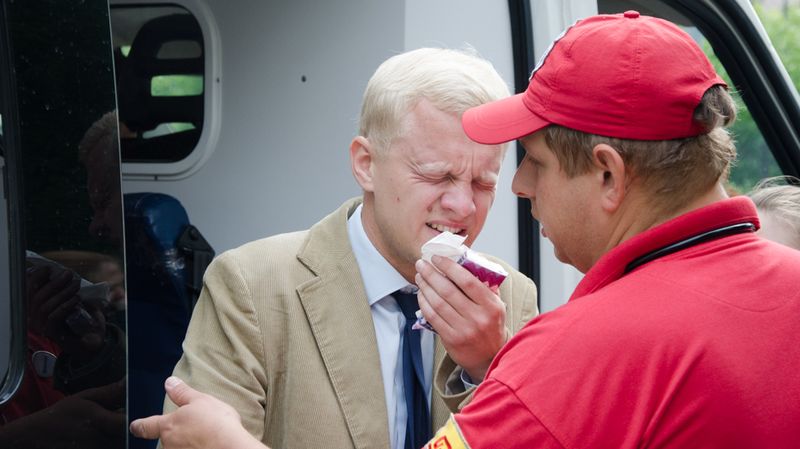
[63, 309]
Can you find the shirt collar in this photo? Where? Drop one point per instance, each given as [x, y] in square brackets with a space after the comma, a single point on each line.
[379, 276]
[611, 266]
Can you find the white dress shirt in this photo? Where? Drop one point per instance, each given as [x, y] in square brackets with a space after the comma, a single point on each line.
[380, 281]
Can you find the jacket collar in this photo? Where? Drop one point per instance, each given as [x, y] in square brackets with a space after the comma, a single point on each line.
[340, 319]
[339, 315]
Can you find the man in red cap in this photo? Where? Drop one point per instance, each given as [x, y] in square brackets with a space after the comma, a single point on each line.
[683, 331]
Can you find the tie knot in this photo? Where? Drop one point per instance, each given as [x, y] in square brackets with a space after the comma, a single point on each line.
[408, 304]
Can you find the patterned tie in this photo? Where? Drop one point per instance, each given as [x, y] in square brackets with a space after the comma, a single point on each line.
[418, 427]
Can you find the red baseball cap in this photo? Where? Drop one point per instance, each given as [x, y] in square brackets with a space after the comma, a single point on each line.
[620, 75]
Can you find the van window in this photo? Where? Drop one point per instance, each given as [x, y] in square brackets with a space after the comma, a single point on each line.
[159, 61]
[782, 24]
[754, 158]
[781, 21]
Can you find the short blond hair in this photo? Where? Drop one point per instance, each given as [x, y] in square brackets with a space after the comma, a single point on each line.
[452, 80]
[779, 196]
[101, 135]
[674, 171]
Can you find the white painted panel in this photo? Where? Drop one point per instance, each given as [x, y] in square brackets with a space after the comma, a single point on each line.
[486, 27]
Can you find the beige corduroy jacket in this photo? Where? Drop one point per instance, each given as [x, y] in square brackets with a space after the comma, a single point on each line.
[283, 332]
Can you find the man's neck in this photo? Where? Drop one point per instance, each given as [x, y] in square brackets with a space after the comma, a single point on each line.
[638, 214]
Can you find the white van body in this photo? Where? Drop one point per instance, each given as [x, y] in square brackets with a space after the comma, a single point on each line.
[282, 88]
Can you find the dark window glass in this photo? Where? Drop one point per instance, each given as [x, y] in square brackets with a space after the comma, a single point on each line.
[5, 280]
[159, 61]
[67, 168]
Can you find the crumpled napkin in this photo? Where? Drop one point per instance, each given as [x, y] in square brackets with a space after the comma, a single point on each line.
[452, 246]
[79, 320]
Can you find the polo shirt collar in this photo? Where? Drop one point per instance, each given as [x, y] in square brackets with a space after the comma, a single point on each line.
[611, 266]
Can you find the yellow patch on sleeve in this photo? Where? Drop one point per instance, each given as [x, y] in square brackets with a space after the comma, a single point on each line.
[448, 437]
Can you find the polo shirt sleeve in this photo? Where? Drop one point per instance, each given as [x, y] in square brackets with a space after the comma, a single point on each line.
[497, 418]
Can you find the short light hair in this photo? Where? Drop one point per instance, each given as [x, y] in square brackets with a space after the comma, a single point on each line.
[673, 171]
[452, 80]
[779, 196]
[101, 135]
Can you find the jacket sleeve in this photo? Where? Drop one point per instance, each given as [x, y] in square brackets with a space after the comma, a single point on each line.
[223, 353]
[519, 294]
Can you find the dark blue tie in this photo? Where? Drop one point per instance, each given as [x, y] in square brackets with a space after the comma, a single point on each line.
[418, 427]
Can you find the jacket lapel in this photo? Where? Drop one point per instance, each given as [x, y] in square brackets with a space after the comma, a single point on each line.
[340, 318]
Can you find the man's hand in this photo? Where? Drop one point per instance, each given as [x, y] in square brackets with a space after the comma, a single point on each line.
[52, 299]
[201, 421]
[468, 316]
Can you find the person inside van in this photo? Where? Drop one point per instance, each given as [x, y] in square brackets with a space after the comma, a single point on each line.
[73, 389]
[308, 334]
[683, 331]
[778, 207]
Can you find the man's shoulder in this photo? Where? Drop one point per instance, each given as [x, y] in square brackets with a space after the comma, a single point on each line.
[262, 269]
[259, 258]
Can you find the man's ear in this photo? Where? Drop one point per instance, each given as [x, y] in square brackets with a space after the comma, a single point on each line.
[613, 176]
[361, 160]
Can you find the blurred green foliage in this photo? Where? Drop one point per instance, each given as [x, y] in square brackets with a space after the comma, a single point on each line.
[176, 85]
[755, 160]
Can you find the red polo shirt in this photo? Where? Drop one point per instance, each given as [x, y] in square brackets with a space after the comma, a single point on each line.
[36, 391]
[698, 348]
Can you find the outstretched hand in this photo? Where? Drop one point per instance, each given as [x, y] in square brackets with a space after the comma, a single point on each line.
[468, 315]
[201, 422]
